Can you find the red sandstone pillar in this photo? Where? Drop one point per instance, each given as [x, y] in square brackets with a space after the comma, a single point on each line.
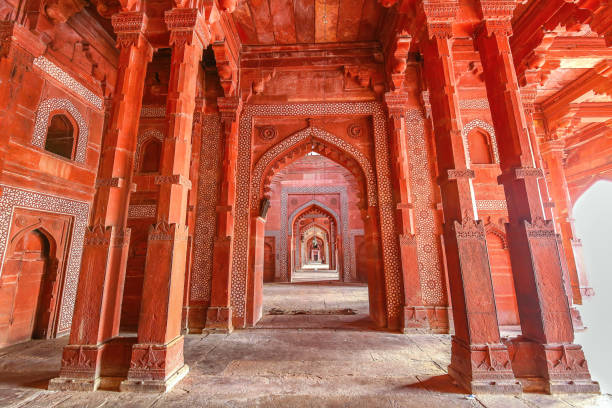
[415, 315]
[376, 285]
[194, 177]
[254, 301]
[157, 359]
[552, 155]
[545, 350]
[479, 362]
[99, 294]
[219, 313]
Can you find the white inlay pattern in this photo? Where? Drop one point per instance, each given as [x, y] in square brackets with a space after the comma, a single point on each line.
[12, 198]
[60, 75]
[42, 124]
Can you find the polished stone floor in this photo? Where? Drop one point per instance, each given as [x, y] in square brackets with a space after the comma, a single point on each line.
[318, 358]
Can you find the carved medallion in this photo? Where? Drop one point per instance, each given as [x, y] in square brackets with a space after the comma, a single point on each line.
[354, 130]
[267, 133]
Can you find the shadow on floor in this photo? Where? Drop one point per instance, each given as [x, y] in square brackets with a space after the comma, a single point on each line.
[439, 383]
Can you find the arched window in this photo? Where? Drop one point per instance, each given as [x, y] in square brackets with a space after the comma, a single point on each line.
[151, 154]
[60, 136]
[479, 145]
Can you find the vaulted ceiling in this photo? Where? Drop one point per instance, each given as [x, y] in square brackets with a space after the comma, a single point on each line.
[307, 21]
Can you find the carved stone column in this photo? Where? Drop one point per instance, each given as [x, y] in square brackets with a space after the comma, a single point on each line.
[546, 350]
[479, 362]
[194, 177]
[99, 294]
[415, 315]
[553, 156]
[374, 264]
[157, 358]
[219, 313]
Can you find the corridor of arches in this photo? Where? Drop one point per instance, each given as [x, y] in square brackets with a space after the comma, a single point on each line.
[315, 256]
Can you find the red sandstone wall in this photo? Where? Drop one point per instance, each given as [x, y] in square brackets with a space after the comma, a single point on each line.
[71, 72]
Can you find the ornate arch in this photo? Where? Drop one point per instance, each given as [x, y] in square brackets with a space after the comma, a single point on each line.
[316, 231]
[485, 126]
[143, 137]
[16, 198]
[341, 222]
[493, 229]
[303, 136]
[42, 123]
[315, 225]
[386, 206]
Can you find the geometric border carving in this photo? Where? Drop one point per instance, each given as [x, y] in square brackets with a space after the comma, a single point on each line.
[142, 211]
[206, 211]
[491, 205]
[153, 111]
[12, 198]
[475, 104]
[68, 81]
[474, 124]
[42, 122]
[150, 133]
[421, 181]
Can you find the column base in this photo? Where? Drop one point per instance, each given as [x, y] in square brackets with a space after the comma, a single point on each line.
[155, 367]
[80, 369]
[155, 386]
[89, 367]
[73, 384]
[219, 319]
[511, 387]
[425, 319]
[483, 368]
[558, 368]
[195, 318]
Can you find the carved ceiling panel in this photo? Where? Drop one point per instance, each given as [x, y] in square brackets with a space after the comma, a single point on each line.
[307, 21]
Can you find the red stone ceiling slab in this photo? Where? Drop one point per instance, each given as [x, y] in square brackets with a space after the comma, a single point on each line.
[307, 21]
[283, 21]
[304, 21]
[350, 19]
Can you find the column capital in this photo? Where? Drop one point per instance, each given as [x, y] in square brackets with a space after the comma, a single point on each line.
[187, 27]
[130, 28]
[439, 18]
[229, 107]
[496, 16]
[397, 103]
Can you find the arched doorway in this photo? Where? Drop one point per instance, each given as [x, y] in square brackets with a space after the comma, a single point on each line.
[28, 286]
[313, 222]
[317, 190]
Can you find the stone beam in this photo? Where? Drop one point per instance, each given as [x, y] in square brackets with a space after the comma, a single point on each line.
[597, 80]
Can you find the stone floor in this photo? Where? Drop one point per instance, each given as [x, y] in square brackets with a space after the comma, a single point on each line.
[309, 275]
[301, 360]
